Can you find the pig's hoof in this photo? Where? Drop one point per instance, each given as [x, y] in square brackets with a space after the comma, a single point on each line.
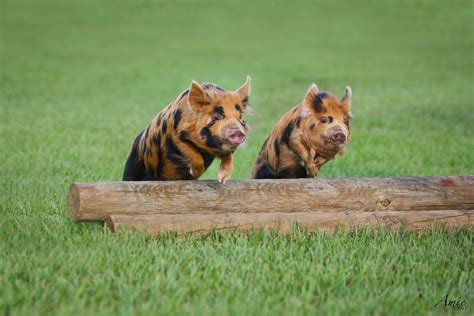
[222, 177]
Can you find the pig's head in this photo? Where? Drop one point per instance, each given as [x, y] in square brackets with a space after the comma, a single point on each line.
[220, 125]
[327, 119]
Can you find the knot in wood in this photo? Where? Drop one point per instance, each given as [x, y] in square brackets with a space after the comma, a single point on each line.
[385, 202]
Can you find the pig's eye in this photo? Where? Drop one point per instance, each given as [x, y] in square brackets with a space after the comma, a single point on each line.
[346, 121]
[218, 116]
[323, 120]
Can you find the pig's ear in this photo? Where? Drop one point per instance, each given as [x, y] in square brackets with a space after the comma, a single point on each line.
[244, 91]
[346, 100]
[198, 97]
[312, 101]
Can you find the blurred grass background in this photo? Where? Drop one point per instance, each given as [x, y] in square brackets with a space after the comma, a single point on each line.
[79, 79]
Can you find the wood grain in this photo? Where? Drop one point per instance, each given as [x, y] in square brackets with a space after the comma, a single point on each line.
[311, 221]
[96, 201]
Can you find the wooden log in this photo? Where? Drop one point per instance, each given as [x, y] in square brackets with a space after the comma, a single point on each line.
[95, 201]
[310, 221]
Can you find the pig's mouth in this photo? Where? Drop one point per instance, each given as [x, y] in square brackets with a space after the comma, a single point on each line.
[331, 142]
[338, 142]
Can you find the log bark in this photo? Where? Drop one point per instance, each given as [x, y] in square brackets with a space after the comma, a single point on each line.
[309, 221]
[96, 201]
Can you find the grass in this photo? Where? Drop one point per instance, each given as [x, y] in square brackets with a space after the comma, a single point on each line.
[79, 79]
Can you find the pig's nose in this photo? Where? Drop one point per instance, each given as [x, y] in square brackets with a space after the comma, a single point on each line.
[339, 137]
[236, 137]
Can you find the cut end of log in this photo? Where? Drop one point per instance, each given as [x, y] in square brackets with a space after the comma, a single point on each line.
[74, 201]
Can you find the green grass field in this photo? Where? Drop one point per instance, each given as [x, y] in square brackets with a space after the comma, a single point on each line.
[80, 78]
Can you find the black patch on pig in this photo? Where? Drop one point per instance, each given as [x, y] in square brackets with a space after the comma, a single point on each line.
[164, 126]
[285, 138]
[158, 121]
[185, 93]
[211, 123]
[211, 140]
[172, 152]
[323, 95]
[211, 85]
[176, 157]
[134, 167]
[159, 167]
[265, 172]
[207, 157]
[144, 143]
[219, 110]
[184, 137]
[312, 126]
[177, 118]
[157, 139]
[277, 148]
[298, 122]
[318, 106]
[294, 173]
[300, 172]
[146, 132]
[148, 176]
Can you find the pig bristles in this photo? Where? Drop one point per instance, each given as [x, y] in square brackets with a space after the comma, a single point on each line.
[248, 110]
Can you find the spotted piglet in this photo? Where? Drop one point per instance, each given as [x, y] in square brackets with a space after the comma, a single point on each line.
[202, 123]
[305, 138]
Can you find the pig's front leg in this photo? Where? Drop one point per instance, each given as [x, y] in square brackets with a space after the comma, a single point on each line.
[306, 155]
[195, 160]
[225, 169]
[319, 161]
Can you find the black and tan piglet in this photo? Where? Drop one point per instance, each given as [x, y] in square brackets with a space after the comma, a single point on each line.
[204, 122]
[305, 138]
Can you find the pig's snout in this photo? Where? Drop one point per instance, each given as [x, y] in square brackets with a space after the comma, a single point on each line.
[338, 137]
[235, 137]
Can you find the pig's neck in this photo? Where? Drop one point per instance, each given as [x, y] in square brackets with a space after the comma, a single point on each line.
[325, 154]
[322, 153]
